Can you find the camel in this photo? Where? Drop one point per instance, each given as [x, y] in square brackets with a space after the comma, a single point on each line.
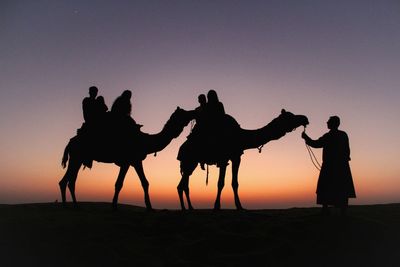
[235, 141]
[123, 157]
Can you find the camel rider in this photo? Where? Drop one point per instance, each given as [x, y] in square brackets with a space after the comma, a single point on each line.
[89, 105]
[214, 114]
[122, 105]
[215, 108]
[199, 116]
[94, 109]
[214, 124]
[101, 107]
[122, 109]
[198, 129]
[91, 114]
[200, 110]
[124, 125]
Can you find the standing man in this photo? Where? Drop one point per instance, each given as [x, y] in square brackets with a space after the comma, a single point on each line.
[335, 183]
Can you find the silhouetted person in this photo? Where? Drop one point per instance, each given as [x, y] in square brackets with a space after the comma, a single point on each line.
[122, 105]
[200, 110]
[335, 183]
[200, 116]
[126, 130]
[100, 122]
[214, 114]
[101, 107]
[122, 109]
[198, 129]
[215, 109]
[89, 127]
[89, 105]
[208, 138]
[94, 109]
[215, 125]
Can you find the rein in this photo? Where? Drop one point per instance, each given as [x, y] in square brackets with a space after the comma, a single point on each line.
[207, 176]
[313, 158]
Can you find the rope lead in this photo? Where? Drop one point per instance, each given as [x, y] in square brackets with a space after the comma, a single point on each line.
[313, 158]
[207, 176]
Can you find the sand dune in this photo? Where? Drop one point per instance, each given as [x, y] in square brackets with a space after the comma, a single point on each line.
[94, 235]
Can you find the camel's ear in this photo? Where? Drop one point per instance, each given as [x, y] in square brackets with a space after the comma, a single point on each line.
[283, 111]
[178, 107]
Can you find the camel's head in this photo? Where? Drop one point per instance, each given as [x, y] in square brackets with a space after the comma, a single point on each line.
[182, 117]
[290, 121]
[178, 120]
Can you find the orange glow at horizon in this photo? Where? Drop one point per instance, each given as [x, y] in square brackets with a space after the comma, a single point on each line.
[277, 178]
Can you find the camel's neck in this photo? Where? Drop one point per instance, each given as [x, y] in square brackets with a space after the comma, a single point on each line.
[172, 129]
[259, 137]
[159, 141]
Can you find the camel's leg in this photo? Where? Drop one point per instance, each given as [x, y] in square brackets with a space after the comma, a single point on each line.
[221, 183]
[119, 183]
[63, 185]
[145, 184]
[186, 185]
[187, 169]
[186, 190]
[235, 183]
[69, 180]
[180, 189]
[72, 181]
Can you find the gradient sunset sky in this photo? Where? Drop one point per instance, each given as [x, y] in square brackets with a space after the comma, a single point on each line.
[317, 58]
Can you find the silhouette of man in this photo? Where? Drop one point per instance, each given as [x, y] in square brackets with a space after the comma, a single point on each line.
[90, 109]
[200, 110]
[215, 127]
[215, 109]
[89, 105]
[198, 129]
[335, 183]
[124, 125]
[122, 105]
[199, 117]
[101, 107]
[214, 113]
[122, 108]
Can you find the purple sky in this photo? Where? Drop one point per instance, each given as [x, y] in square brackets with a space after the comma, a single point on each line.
[317, 58]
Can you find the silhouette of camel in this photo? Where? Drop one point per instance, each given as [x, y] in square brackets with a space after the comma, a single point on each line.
[236, 140]
[149, 143]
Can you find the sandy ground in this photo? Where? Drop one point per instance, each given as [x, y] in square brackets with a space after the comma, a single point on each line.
[94, 235]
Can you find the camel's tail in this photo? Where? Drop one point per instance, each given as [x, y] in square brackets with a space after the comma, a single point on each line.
[65, 156]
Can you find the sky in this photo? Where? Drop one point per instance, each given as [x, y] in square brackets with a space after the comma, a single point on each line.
[316, 58]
